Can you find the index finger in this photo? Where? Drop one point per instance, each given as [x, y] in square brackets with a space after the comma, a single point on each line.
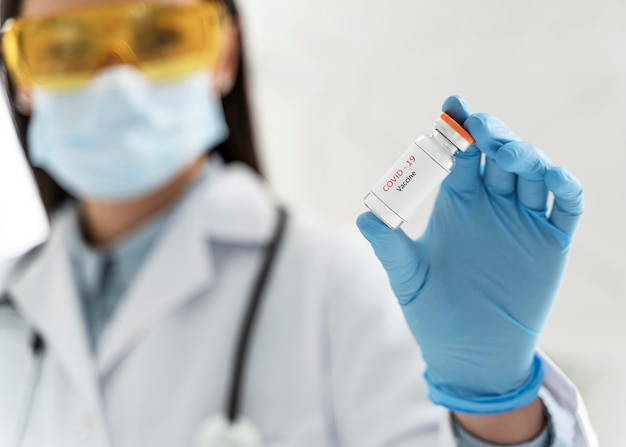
[457, 108]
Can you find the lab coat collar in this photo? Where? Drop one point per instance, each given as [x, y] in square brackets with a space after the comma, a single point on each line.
[239, 206]
[44, 293]
[233, 205]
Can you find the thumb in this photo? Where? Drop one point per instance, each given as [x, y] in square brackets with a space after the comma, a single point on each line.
[396, 252]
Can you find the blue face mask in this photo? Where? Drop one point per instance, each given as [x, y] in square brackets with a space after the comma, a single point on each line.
[123, 136]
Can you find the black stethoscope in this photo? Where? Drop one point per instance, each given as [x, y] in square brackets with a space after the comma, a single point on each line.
[230, 429]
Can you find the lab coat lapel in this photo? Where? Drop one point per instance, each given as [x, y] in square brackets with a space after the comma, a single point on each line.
[178, 267]
[45, 294]
[229, 205]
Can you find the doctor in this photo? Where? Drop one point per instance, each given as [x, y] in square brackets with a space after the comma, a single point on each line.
[176, 304]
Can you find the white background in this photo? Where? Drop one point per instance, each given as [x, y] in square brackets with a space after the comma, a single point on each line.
[340, 88]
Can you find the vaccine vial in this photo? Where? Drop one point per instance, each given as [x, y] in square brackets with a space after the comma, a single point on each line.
[423, 166]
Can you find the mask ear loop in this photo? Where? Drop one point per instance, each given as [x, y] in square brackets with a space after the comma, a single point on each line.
[22, 107]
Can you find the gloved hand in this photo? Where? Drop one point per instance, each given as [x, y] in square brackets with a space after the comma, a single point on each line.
[477, 287]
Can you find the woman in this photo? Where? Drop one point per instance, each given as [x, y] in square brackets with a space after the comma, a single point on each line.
[143, 310]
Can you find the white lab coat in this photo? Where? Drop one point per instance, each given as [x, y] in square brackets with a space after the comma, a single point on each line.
[332, 362]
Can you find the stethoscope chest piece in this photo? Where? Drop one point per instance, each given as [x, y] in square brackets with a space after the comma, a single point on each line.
[218, 431]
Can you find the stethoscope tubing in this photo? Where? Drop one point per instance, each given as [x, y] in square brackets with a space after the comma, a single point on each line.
[38, 348]
[243, 345]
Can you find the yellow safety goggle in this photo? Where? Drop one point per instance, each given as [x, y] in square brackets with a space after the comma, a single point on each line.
[66, 50]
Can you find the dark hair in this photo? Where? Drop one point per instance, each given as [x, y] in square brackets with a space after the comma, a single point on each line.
[239, 146]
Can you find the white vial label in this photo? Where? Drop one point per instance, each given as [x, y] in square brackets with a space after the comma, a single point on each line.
[407, 183]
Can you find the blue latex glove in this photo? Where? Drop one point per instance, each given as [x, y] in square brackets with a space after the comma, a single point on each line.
[477, 287]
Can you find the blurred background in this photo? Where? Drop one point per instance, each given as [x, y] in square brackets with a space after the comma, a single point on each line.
[340, 88]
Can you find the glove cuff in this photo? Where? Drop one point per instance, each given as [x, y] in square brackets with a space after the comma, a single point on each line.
[494, 404]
